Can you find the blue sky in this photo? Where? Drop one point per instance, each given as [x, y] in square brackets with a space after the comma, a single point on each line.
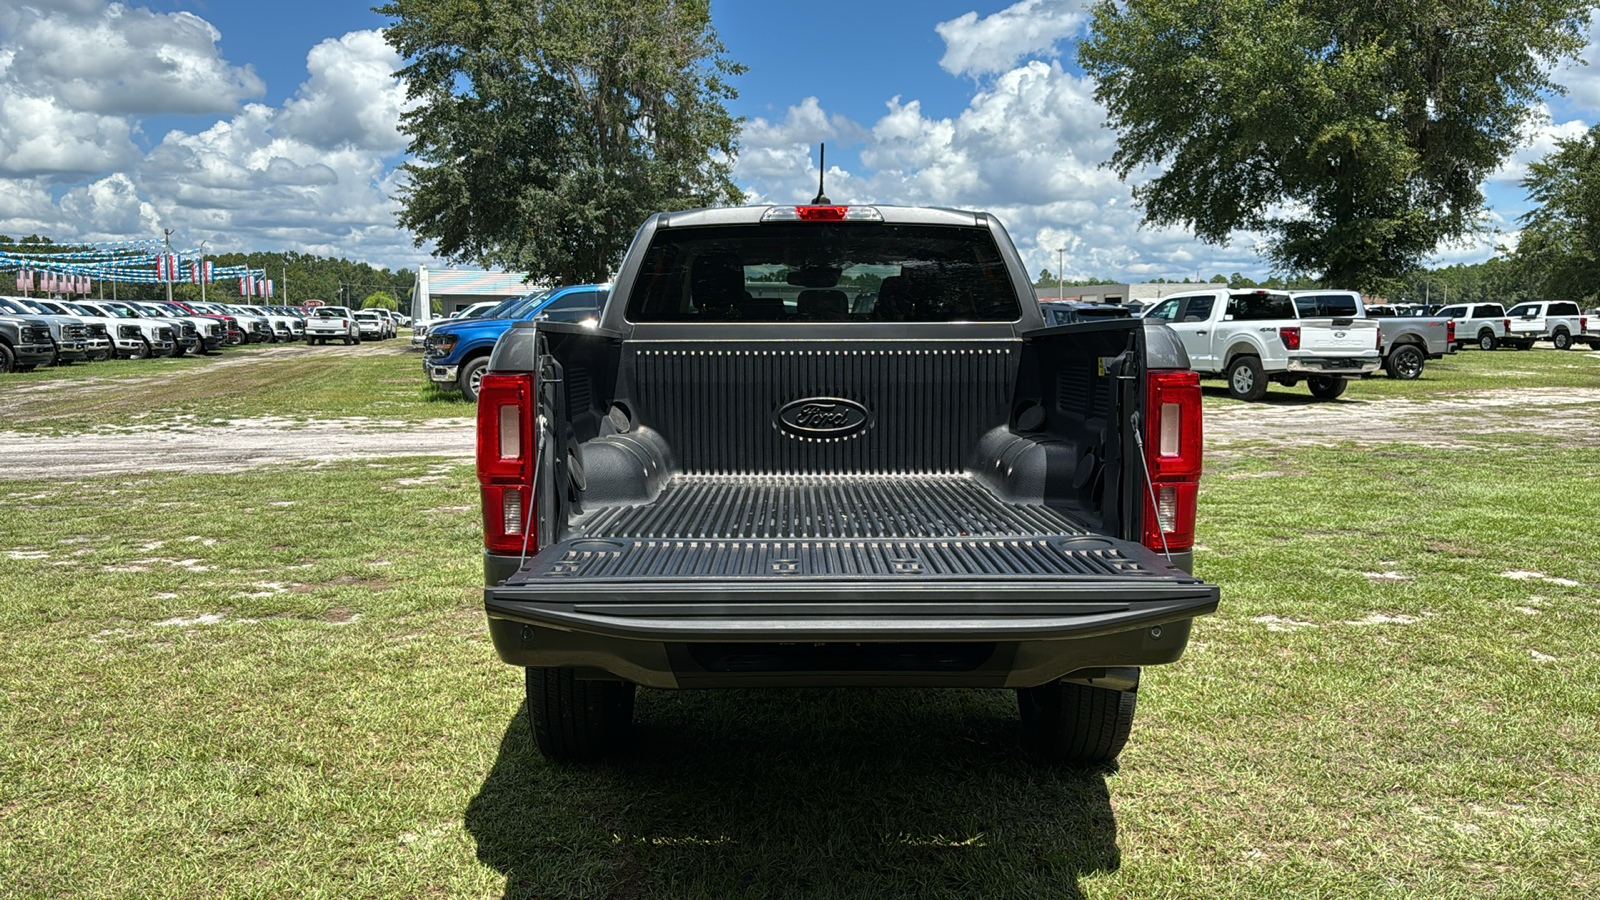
[271, 126]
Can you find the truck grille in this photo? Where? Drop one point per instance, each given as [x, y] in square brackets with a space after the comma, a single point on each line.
[74, 332]
[189, 331]
[214, 329]
[164, 333]
[97, 330]
[36, 334]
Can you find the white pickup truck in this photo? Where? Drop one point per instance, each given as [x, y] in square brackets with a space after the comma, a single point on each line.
[1252, 338]
[1483, 325]
[1558, 321]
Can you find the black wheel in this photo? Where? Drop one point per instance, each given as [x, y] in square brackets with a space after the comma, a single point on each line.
[1327, 387]
[142, 351]
[1075, 723]
[347, 342]
[1405, 362]
[1246, 379]
[8, 358]
[470, 378]
[578, 721]
[1486, 340]
[175, 352]
[1562, 339]
[104, 355]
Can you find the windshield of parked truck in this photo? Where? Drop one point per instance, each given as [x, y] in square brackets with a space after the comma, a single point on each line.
[1323, 306]
[517, 307]
[823, 272]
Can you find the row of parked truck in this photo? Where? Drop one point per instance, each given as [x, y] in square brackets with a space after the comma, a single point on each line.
[38, 332]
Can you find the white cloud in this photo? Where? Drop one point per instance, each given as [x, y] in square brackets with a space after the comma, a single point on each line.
[112, 59]
[1541, 143]
[995, 43]
[316, 174]
[38, 137]
[352, 96]
[1027, 148]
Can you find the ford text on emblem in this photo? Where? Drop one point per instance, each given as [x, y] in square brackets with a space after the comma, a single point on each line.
[823, 417]
[1338, 334]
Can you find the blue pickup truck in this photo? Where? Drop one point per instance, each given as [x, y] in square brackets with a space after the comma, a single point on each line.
[456, 353]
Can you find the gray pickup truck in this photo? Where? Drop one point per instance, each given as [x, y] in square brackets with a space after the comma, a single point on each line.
[25, 342]
[741, 477]
[1407, 342]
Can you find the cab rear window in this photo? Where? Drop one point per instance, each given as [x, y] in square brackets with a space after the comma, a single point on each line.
[823, 272]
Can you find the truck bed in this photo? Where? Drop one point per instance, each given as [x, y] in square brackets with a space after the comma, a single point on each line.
[722, 543]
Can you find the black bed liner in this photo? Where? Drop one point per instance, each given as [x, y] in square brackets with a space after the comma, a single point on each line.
[741, 507]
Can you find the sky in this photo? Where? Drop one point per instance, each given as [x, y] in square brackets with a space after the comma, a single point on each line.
[256, 126]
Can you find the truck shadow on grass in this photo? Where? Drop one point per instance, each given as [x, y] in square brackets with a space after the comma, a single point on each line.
[1278, 395]
[780, 793]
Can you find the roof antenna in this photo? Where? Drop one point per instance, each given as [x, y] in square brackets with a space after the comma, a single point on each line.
[822, 169]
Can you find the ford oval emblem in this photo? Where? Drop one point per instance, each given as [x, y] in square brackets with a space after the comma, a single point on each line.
[824, 417]
[1338, 334]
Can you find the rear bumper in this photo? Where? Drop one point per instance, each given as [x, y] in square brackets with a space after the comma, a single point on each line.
[839, 647]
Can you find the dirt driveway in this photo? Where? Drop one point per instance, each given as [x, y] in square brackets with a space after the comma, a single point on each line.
[1465, 421]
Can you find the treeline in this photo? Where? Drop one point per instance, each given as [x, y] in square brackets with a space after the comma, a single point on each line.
[1237, 281]
[297, 277]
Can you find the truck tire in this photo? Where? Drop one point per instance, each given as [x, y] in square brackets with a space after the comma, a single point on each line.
[1562, 339]
[1486, 340]
[1077, 724]
[8, 358]
[471, 376]
[1246, 379]
[1405, 362]
[1327, 387]
[142, 351]
[578, 721]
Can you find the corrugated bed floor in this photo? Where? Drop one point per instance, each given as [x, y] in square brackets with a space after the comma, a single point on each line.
[778, 507]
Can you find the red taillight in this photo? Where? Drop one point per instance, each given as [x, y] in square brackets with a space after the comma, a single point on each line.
[1173, 452]
[505, 463]
[1377, 339]
[1508, 326]
[1583, 324]
[1450, 331]
[1290, 337]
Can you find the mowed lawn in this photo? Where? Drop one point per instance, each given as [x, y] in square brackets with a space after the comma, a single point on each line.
[277, 683]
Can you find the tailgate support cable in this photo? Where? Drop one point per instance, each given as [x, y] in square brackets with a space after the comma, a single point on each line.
[1149, 482]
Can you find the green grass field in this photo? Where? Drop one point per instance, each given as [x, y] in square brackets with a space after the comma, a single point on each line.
[379, 381]
[278, 683]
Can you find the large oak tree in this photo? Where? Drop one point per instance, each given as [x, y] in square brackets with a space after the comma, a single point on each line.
[543, 132]
[1558, 252]
[1355, 136]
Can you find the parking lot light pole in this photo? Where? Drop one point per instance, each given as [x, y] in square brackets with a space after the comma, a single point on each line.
[202, 265]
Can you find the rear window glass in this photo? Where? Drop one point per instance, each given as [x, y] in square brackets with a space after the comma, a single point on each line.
[1490, 310]
[1564, 309]
[1255, 307]
[1317, 306]
[823, 272]
[1526, 309]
